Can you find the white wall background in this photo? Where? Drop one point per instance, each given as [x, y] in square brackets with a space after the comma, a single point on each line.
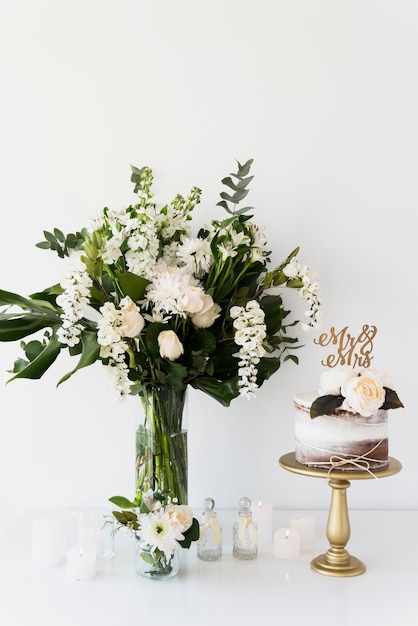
[323, 95]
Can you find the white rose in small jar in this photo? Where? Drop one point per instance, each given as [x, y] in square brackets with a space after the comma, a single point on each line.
[181, 515]
[331, 381]
[170, 345]
[363, 394]
[209, 312]
[132, 320]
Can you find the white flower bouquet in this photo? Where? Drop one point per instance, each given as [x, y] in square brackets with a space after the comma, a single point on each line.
[160, 306]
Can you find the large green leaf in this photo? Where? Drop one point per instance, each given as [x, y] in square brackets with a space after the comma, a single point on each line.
[8, 298]
[89, 354]
[36, 368]
[266, 367]
[132, 285]
[273, 311]
[14, 327]
[224, 361]
[224, 392]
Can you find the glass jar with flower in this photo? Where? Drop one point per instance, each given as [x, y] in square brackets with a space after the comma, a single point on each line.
[161, 529]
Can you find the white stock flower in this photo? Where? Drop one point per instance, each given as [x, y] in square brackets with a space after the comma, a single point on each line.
[250, 333]
[76, 284]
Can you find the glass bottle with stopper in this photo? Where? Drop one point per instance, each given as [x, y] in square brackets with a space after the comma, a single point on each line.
[209, 546]
[245, 535]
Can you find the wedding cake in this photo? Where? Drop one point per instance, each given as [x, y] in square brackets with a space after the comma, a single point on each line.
[345, 424]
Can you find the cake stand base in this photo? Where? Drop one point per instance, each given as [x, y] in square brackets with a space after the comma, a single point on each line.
[322, 565]
[337, 561]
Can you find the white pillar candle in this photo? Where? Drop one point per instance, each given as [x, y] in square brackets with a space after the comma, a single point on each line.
[306, 528]
[47, 541]
[81, 562]
[92, 524]
[286, 543]
[263, 517]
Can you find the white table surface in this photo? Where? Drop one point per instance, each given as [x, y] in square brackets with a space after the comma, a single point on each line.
[225, 592]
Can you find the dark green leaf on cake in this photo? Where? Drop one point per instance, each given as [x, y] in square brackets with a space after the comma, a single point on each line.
[391, 400]
[325, 405]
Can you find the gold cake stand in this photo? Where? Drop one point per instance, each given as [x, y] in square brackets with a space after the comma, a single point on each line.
[337, 561]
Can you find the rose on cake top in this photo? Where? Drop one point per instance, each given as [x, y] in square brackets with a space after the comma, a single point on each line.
[365, 392]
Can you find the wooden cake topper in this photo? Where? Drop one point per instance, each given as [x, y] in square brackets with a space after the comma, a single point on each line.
[351, 350]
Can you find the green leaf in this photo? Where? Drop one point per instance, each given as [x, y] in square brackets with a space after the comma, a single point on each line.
[36, 368]
[89, 354]
[59, 235]
[13, 328]
[243, 170]
[222, 391]
[131, 284]
[272, 306]
[191, 534]
[146, 556]
[122, 502]
[266, 368]
[203, 341]
[325, 405]
[391, 400]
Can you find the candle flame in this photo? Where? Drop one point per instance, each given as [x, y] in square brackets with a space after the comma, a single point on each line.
[259, 504]
[287, 534]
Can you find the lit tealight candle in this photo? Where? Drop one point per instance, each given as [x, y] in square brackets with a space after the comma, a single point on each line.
[81, 562]
[306, 528]
[286, 543]
[263, 517]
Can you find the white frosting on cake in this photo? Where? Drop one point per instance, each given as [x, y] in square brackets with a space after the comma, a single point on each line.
[328, 439]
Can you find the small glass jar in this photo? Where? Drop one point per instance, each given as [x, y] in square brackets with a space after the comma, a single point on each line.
[244, 532]
[209, 546]
[92, 524]
[157, 565]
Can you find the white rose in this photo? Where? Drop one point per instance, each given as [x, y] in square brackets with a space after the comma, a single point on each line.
[170, 345]
[382, 376]
[331, 381]
[209, 312]
[132, 320]
[363, 394]
[180, 515]
[191, 300]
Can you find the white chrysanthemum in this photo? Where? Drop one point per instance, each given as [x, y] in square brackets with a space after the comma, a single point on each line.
[196, 255]
[159, 533]
[174, 291]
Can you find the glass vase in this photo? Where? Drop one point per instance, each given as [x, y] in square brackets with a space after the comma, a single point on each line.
[161, 443]
[156, 566]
